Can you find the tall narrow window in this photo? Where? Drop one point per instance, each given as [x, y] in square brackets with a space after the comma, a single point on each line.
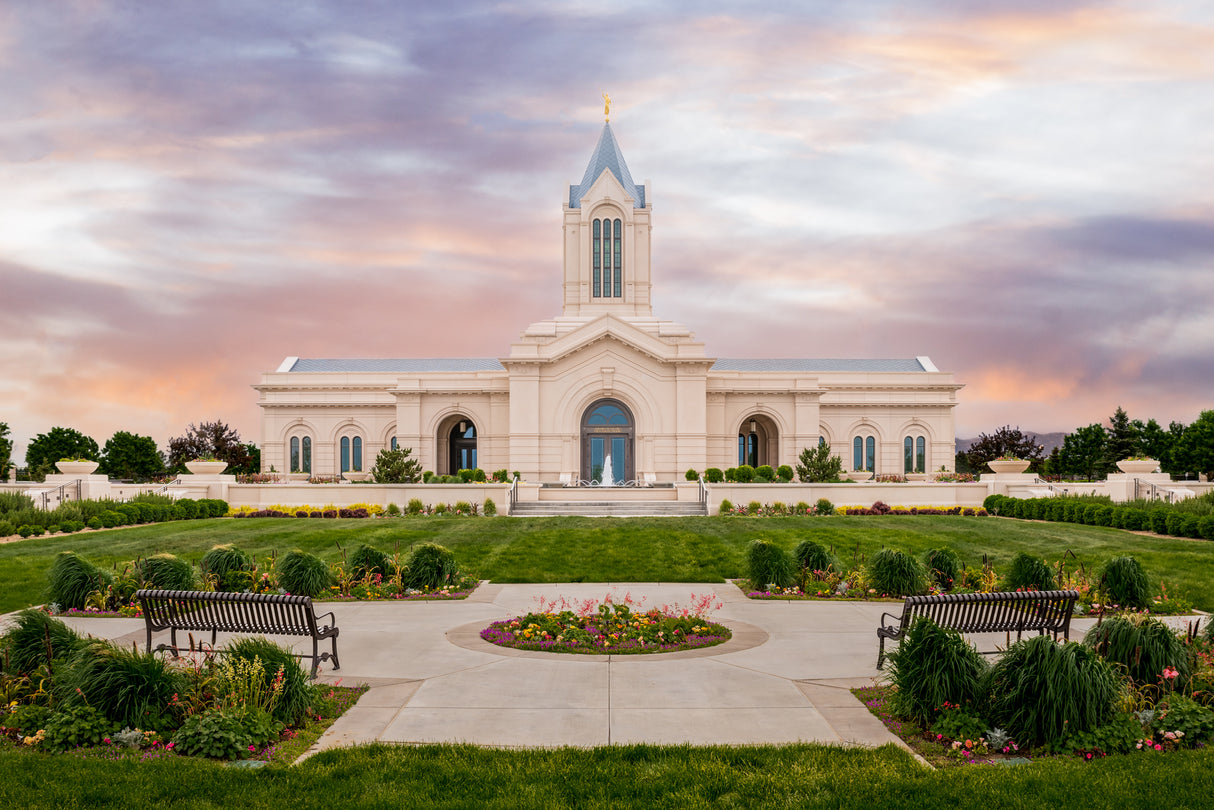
[870, 454]
[294, 454]
[307, 454]
[864, 453]
[607, 258]
[345, 454]
[301, 454]
[914, 449]
[598, 259]
[920, 454]
[908, 455]
[394, 445]
[857, 454]
[358, 454]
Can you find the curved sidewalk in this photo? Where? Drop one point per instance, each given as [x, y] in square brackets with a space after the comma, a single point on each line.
[784, 678]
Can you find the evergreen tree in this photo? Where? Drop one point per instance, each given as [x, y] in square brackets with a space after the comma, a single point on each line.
[818, 465]
[1121, 441]
[395, 467]
[130, 456]
[1083, 451]
[59, 443]
[6, 450]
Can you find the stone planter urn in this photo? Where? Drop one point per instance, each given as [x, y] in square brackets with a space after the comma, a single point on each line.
[1008, 465]
[859, 475]
[1141, 466]
[206, 467]
[77, 467]
[356, 476]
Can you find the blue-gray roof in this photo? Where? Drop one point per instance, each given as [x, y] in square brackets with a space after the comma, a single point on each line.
[407, 365]
[607, 155]
[827, 365]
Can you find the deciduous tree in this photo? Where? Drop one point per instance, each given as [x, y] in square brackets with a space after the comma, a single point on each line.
[128, 455]
[56, 444]
[1006, 441]
[210, 439]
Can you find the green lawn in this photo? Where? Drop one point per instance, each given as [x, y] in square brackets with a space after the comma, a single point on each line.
[800, 776]
[621, 550]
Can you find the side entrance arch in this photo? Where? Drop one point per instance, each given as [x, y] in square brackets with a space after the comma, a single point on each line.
[608, 432]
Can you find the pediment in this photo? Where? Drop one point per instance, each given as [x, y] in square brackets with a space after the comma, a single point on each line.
[608, 327]
[607, 187]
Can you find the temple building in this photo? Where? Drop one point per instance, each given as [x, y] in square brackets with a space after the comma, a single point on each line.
[606, 381]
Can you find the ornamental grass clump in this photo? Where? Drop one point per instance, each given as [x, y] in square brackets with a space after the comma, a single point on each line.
[296, 695]
[366, 561]
[943, 566]
[73, 581]
[1145, 647]
[813, 557]
[429, 567]
[895, 573]
[768, 564]
[228, 567]
[129, 687]
[1125, 583]
[1040, 691]
[303, 574]
[167, 572]
[1028, 573]
[35, 638]
[932, 666]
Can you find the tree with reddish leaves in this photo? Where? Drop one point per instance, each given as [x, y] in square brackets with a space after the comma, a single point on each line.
[213, 440]
[1006, 441]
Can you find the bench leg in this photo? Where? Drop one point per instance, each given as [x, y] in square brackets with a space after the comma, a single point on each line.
[336, 663]
[881, 652]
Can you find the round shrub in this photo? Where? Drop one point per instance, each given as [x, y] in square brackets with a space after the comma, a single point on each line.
[1040, 691]
[1159, 520]
[1125, 582]
[430, 566]
[72, 579]
[167, 572]
[110, 518]
[1206, 527]
[28, 637]
[765, 473]
[1142, 645]
[189, 508]
[824, 507]
[896, 573]
[463, 507]
[713, 475]
[366, 560]
[691, 475]
[231, 568]
[731, 474]
[932, 665]
[768, 564]
[94, 523]
[942, 566]
[1135, 520]
[1029, 573]
[726, 507]
[129, 687]
[298, 694]
[74, 727]
[744, 474]
[415, 506]
[784, 473]
[303, 574]
[753, 508]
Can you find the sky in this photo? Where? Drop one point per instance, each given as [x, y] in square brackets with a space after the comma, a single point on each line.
[190, 192]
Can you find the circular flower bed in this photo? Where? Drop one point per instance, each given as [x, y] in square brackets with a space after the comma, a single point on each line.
[609, 628]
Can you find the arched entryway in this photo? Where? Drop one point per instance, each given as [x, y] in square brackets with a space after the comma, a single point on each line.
[459, 435]
[608, 431]
[757, 441]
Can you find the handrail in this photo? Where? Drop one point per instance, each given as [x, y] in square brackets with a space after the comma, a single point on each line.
[164, 490]
[703, 492]
[1040, 480]
[513, 494]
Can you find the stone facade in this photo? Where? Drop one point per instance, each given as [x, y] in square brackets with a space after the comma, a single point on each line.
[606, 378]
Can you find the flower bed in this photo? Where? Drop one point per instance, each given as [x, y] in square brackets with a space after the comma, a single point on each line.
[610, 628]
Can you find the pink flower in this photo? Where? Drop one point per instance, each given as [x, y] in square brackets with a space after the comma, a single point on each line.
[1169, 673]
[252, 747]
[107, 740]
[1158, 747]
[170, 745]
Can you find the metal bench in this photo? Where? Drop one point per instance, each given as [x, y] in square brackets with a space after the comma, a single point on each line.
[272, 614]
[1021, 611]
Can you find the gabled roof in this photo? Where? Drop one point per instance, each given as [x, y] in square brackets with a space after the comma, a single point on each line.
[607, 155]
[820, 365]
[407, 365]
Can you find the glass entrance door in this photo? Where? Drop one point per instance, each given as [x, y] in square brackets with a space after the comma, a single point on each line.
[604, 447]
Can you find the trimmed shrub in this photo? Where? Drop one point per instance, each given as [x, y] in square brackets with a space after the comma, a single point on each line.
[130, 688]
[942, 566]
[713, 475]
[366, 560]
[1125, 582]
[31, 633]
[765, 473]
[167, 572]
[1206, 527]
[1029, 573]
[731, 474]
[1159, 521]
[896, 573]
[489, 508]
[768, 564]
[1135, 520]
[824, 507]
[7, 528]
[726, 507]
[298, 694]
[1142, 645]
[189, 508]
[72, 579]
[429, 566]
[303, 574]
[691, 475]
[1039, 691]
[784, 473]
[810, 556]
[744, 474]
[933, 665]
[231, 568]
[463, 507]
[753, 508]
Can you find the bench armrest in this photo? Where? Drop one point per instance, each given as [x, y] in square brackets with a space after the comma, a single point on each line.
[892, 616]
[330, 615]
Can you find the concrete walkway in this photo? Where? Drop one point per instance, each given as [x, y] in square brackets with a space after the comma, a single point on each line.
[783, 678]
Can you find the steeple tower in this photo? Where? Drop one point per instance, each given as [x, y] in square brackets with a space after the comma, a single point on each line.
[607, 249]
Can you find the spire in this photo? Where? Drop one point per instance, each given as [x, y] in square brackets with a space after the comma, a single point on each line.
[607, 155]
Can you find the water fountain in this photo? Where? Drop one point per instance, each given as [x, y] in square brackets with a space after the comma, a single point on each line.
[608, 479]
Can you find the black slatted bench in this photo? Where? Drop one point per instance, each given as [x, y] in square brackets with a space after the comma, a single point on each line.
[262, 613]
[1022, 611]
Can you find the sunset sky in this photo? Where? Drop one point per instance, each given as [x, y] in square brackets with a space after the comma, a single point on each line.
[190, 192]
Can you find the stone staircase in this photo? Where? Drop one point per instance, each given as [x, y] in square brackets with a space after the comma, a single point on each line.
[629, 508]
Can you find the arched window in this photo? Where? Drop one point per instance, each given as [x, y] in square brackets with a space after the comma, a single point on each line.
[864, 453]
[914, 452]
[351, 454]
[608, 432]
[607, 251]
[301, 454]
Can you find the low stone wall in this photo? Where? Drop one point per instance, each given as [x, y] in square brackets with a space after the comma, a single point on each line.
[862, 494]
[263, 496]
